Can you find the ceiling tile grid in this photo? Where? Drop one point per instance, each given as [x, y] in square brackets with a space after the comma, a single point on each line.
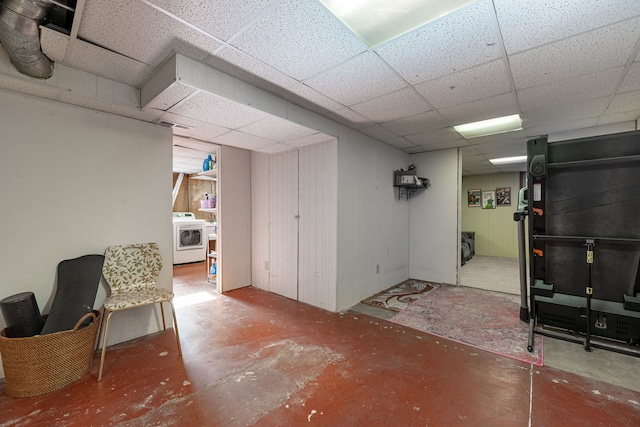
[417, 124]
[347, 85]
[393, 106]
[213, 109]
[137, 30]
[571, 64]
[277, 129]
[482, 81]
[221, 18]
[488, 108]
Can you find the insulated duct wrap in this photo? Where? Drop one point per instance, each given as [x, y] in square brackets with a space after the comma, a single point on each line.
[20, 36]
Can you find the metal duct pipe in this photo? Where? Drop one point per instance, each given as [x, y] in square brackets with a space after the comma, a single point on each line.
[20, 36]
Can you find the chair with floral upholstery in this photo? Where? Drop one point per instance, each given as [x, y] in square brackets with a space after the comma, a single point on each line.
[131, 271]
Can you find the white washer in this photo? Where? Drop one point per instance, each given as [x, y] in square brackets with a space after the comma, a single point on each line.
[190, 239]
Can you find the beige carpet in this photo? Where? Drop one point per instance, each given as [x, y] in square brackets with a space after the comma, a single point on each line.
[492, 273]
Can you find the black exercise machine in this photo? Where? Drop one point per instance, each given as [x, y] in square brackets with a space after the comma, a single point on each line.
[582, 203]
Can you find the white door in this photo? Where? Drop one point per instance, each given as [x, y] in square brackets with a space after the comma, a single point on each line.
[283, 227]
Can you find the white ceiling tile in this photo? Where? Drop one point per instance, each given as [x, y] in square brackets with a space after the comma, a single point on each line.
[479, 82]
[173, 94]
[276, 148]
[53, 44]
[515, 148]
[378, 132]
[594, 85]
[564, 113]
[300, 38]
[526, 24]
[243, 140]
[198, 129]
[221, 18]
[549, 128]
[518, 135]
[628, 101]
[357, 121]
[632, 79]
[619, 117]
[446, 144]
[464, 39]
[314, 97]
[435, 136]
[277, 129]
[393, 106]
[417, 124]
[137, 30]
[400, 142]
[310, 140]
[359, 79]
[216, 110]
[247, 68]
[101, 62]
[582, 54]
[488, 108]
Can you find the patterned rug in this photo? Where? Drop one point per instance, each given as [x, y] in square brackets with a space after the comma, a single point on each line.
[401, 295]
[485, 320]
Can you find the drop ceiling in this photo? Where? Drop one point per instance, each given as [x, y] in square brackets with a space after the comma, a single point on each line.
[563, 65]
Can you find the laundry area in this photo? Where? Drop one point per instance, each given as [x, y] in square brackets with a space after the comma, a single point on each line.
[195, 206]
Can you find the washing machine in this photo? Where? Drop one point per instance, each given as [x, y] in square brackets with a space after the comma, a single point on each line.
[190, 239]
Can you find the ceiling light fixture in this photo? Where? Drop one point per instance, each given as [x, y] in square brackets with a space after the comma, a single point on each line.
[490, 127]
[378, 21]
[507, 160]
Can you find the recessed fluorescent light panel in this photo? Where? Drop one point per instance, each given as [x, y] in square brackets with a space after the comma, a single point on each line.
[507, 160]
[490, 127]
[378, 21]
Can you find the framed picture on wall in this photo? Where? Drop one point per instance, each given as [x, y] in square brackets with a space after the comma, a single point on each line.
[503, 196]
[474, 198]
[489, 199]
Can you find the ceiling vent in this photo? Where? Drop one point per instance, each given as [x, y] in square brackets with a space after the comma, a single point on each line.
[173, 125]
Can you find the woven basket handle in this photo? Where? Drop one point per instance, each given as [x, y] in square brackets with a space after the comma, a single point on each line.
[82, 319]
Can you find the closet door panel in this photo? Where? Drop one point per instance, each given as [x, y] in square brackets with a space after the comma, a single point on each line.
[283, 228]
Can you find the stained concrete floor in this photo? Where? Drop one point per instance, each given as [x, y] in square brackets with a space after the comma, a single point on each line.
[251, 358]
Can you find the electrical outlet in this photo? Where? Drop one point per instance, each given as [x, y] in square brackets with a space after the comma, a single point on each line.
[377, 268]
[266, 265]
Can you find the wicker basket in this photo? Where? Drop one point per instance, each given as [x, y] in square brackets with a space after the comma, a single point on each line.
[44, 363]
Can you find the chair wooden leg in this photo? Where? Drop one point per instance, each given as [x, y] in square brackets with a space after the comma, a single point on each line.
[175, 328]
[104, 342]
[97, 343]
[164, 323]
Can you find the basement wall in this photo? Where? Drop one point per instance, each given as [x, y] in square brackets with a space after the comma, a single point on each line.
[75, 181]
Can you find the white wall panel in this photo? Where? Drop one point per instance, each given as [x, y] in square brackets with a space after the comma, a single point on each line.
[435, 235]
[75, 181]
[283, 218]
[260, 220]
[234, 218]
[317, 274]
[373, 225]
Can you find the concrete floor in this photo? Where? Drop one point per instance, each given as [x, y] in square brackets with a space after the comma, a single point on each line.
[251, 358]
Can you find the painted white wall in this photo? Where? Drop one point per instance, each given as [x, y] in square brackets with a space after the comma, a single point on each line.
[434, 218]
[315, 240]
[260, 196]
[373, 225]
[318, 207]
[74, 181]
[234, 218]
